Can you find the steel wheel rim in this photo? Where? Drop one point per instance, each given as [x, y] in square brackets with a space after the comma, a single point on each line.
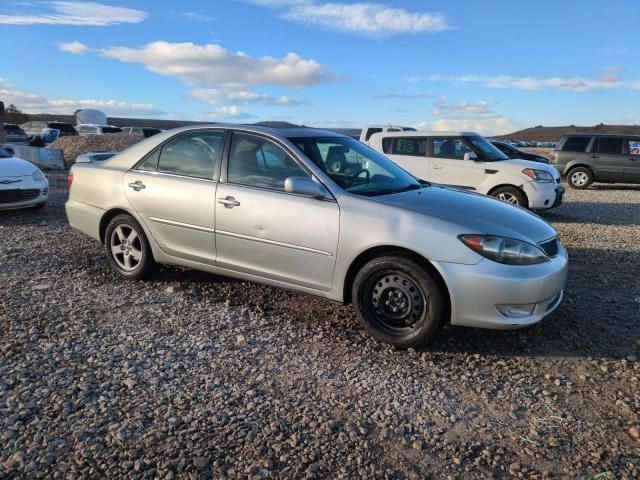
[579, 178]
[126, 247]
[397, 302]
[508, 197]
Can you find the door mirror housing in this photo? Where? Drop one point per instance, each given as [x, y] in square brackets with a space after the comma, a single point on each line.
[304, 186]
[471, 156]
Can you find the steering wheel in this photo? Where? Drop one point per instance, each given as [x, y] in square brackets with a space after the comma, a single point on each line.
[357, 174]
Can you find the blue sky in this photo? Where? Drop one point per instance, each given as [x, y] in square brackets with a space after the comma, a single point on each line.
[457, 64]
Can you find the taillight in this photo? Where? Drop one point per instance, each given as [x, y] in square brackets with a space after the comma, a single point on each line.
[69, 180]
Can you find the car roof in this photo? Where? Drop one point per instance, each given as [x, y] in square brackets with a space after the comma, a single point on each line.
[427, 134]
[601, 135]
[287, 132]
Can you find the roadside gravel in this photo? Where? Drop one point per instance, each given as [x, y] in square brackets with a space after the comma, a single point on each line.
[189, 375]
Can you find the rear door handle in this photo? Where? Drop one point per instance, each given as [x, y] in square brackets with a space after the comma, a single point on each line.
[438, 167]
[595, 156]
[137, 185]
[229, 202]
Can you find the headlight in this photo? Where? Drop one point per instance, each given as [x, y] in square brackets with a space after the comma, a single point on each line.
[541, 176]
[504, 250]
[38, 176]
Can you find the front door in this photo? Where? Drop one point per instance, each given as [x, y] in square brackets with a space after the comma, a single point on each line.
[447, 165]
[264, 231]
[173, 190]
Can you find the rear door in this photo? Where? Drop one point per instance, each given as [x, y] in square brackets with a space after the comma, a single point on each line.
[607, 158]
[447, 165]
[173, 189]
[410, 153]
[632, 164]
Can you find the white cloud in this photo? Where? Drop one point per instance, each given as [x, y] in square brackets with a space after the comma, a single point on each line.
[74, 13]
[218, 75]
[365, 18]
[230, 112]
[34, 103]
[216, 96]
[609, 79]
[401, 96]
[495, 125]
[442, 107]
[74, 47]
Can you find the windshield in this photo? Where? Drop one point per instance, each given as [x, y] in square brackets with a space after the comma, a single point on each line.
[4, 153]
[489, 151]
[355, 167]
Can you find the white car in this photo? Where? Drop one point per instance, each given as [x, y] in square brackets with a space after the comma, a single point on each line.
[22, 184]
[469, 161]
[369, 130]
[87, 129]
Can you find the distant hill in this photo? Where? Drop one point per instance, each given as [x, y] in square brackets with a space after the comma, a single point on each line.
[553, 134]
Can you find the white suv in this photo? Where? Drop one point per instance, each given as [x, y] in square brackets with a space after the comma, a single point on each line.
[468, 160]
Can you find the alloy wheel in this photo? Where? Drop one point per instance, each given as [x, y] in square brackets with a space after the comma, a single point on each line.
[508, 197]
[126, 247]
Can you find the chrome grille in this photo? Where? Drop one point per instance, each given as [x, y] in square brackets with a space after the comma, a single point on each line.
[18, 195]
[550, 247]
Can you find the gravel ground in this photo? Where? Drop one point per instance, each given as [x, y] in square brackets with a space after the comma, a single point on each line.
[195, 376]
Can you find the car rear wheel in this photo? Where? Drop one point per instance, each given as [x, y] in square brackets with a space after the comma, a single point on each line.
[398, 301]
[580, 178]
[127, 248]
[511, 195]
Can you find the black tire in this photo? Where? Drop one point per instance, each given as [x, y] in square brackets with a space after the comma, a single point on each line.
[580, 178]
[134, 246]
[511, 195]
[398, 281]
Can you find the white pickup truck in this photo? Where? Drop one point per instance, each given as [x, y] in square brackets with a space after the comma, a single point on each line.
[369, 130]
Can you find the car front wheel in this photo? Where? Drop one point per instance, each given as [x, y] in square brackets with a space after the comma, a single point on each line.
[127, 247]
[580, 178]
[511, 195]
[398, 301]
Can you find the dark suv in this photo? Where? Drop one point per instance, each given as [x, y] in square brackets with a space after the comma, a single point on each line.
[34, 129]
[586, 158]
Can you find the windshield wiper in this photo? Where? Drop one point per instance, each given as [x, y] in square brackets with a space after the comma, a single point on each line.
[390, 191]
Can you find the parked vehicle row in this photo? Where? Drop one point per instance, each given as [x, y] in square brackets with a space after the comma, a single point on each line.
[512, 151]
[410, 255]
[586, 158]
[469, 161]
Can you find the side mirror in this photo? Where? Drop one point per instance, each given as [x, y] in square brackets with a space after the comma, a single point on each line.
[304, 186]
[471, 156]
[9, 150]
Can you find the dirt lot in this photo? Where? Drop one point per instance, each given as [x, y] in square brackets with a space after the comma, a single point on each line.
[193, 375]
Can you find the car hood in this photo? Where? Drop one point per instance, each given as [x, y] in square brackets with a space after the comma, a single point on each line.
[474, 213]
[16, 167]
[517, 165]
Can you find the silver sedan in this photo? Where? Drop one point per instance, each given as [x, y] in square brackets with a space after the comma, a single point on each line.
[262, 204]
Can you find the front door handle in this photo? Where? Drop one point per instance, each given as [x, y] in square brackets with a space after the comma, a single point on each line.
[438, 167]
[229, 202]
[595, 156]
[137, 185]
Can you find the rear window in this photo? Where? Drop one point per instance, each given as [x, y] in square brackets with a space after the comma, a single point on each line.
[608, 145]
[414, 146]
[63, 127]
[576, 144]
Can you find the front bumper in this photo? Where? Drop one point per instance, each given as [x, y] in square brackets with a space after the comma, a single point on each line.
[476, 290]
[543, 196]
[31, 202]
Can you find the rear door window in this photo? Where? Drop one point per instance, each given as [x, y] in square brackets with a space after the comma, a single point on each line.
[634, 147]
[192, 155]
[608, 145]
[411, 146]
[576, 144]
